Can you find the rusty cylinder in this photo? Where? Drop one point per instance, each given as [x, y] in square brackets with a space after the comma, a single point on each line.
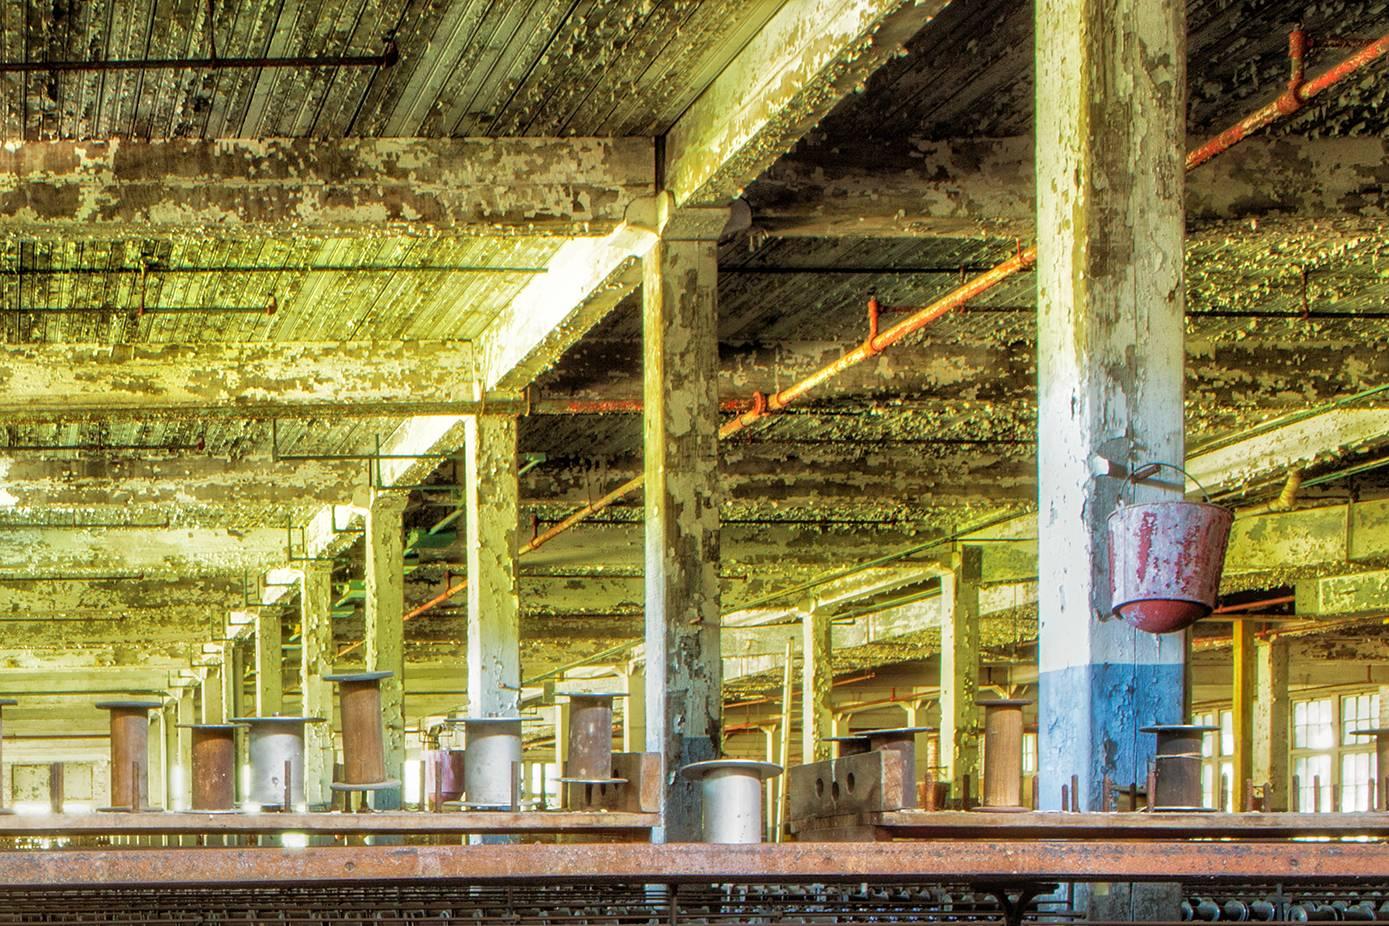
[213, 772]
[130, 727]
[1177, 766]
[363, 729]
[590, 738]
[1003, 754]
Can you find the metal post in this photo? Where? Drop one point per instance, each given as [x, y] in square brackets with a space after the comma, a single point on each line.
[589, 766]
[363, 733]
[213, 768]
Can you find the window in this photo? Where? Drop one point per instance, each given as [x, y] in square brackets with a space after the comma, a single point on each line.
[1333, 768]
[1217, 758]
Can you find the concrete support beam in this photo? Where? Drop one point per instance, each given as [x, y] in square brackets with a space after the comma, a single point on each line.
[582, 283]
[270, 683]
[384, 567]
[151, 552]
[1110, 116]
[316, 661]
[959, 671]
[1358, 593]
[984, 186]
[183, 796]
[284, 187]
[1272, 722]
[817, 677]
[810, 55]
[211, 379]
[492, 517]
[683, 686]
[633, 708]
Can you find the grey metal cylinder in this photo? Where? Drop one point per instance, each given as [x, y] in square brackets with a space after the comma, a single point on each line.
[492, 762]
[731, 791]
[276, 748]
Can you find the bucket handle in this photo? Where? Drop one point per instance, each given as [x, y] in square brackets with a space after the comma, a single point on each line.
[1148, 470]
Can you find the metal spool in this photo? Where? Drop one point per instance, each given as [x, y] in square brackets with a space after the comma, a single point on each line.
[732, 797]
[590, 762]
[1003, 754]
[850, 745]
[363, 733]
[213, 771]
[130, 728]
[902, 741]
[1177, 766]
[491, 762]
[4, 703]
[277, 760]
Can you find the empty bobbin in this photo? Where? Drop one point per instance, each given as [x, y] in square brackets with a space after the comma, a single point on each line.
[130, 727]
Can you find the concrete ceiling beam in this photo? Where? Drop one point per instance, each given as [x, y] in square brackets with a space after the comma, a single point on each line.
[293, 187]
[974, 186]
[150, 552]
[808, 57]
[234, 379]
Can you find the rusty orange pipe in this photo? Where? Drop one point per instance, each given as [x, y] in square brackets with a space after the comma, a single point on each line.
[1289, 102]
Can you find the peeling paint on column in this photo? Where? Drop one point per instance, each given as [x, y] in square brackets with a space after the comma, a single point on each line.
[492, 518]
[316, 661]
[384, 566]
[683, 680]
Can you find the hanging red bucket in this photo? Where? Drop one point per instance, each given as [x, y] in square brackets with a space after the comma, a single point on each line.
[1165, 561]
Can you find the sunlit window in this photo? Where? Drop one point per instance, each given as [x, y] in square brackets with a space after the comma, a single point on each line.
[1334, 769]
[1217, 758]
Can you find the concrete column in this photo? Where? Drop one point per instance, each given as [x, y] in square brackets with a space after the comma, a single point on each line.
[1272, 722]
[633, 709]
[210, 691]
[959, 670]
[916, 717]
[168, 716]
[560, 715]
[817, 677]
[315, 661]
[1242, 699]
[1111, 128]
[184, 793]
[385, 626]
[683, 670]
[1111, 121]
[270, 683]
[233, 695]
[491, 497]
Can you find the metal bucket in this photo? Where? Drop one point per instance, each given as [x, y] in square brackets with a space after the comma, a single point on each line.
[1165, 562]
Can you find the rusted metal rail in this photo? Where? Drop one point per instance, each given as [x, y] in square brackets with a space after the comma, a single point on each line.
[326, 824]
[694, 863]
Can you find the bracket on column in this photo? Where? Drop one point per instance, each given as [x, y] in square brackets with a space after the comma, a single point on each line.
[303, 542]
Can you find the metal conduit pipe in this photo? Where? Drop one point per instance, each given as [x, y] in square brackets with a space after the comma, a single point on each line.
[763, 406]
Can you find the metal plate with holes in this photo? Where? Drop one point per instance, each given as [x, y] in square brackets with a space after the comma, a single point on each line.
[865, 783]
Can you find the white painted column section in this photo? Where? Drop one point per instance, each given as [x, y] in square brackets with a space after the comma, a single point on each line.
[492, 499]
[385, 627]
[1273, 722]
[315, 661]
[817, 676]
[683, 670]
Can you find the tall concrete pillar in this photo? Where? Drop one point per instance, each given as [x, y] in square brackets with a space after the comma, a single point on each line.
[270, 683]
[491, 498]
[315, 661]
[1110, 118]
[1272, 722]
[680, 367]
[959, 670]
[1242, 714]
[633, 709]
[385, 627]
[168, 719]
[817, 676]
[210, 692]
[233, 694]
[186, 715]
